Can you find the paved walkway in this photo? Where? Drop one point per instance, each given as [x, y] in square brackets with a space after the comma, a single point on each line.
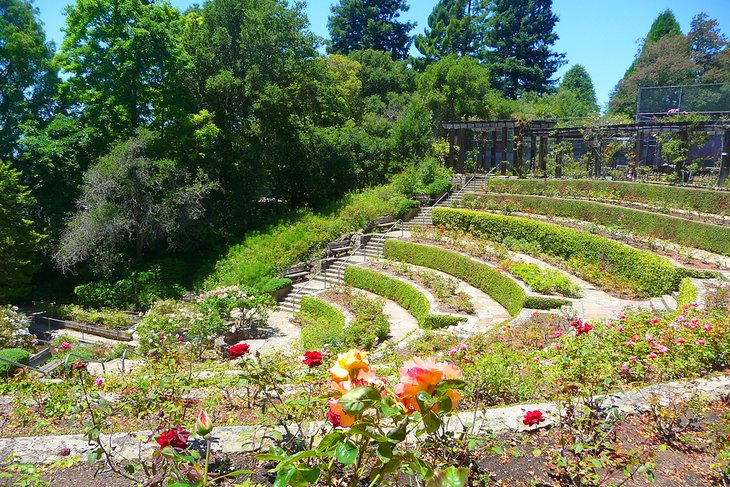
[232, 439]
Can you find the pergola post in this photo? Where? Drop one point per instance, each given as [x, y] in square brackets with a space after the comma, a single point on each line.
[483, 151]
[679, 168]
[452, 148]
[504, 151]
[532, 152]
[637, 151]
[462, 151]
[493, 161]
[724, 161]
[543, 153]
[558, 159]
[518, 153]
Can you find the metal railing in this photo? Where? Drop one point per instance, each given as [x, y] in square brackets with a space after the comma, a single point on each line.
[84, 359]
[23, 366]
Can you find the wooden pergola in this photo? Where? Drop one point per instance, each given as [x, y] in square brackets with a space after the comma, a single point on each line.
[490, 144]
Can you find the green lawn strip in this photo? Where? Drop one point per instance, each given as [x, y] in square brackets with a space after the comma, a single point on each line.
[405, 295]
[499, 287]
[647, 273]
[713, 238]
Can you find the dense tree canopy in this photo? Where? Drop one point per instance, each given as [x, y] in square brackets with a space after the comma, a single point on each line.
[454, 27]
[369, 24]
[19, 241]
[520, 37]
[578, 82]
[26, 73]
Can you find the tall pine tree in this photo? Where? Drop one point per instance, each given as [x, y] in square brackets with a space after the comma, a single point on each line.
[454, 27]
[520, 37]
[369, 24]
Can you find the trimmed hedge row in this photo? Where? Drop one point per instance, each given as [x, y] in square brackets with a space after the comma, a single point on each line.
[541, 302]
[406, 295]
[500, 287]
[704, 236]
[702, 200]
[324, 324]
[648, 273]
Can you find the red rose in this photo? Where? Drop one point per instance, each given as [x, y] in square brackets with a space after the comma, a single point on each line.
[533, 417]
[334, 418]
[174, 437]
[238, 350]
[312, 359]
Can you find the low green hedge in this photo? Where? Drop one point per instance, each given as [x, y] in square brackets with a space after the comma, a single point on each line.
[406, 295]
[541, 302]
[687, 292]
[500, 287]
[702, 200]
[323, 323]
[647, 273]
[699, 235]
[16, 355]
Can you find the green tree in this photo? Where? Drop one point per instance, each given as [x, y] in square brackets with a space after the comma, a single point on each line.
[380, 75]
[26, 74]
[132, 203]
[455, 88]
[577, 82]
[19, 241]
[706, 41]
[125, 65]
[662, 63]
[369, 24]
[454, 27]
[665, 25]
[520, 37]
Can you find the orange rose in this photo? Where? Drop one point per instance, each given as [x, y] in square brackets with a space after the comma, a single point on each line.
[337, 416]
[348, 364]
[362, 378]
[424, 375]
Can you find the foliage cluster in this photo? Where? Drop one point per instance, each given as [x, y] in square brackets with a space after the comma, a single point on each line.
[501, 288]
[406, 295]
[104, 317]
[542, 280]
[322, 324]
[686, 232]
[648, 273]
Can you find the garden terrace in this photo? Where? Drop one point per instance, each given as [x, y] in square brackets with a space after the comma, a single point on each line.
[647, 273]
[523, 146]
[712, 238]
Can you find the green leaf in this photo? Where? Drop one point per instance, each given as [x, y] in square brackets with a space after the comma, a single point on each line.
[284, 476]
[329, 440]
[432, 422]
[359, 399]
[451, 477]
[399, 432]
[446, 385]
[346, 453]
[385, 452]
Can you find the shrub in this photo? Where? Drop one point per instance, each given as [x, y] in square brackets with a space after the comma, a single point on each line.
[540, 302]
[370, 325]
[406, 295]
[704, 236]
[687, 292]
[706, 201]
[322, 324]
[649, 274]
[501, 288]
[14, 328]
[16, 355]
[542, 280]
[107, 318]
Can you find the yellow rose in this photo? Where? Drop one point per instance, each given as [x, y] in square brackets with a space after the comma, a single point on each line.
[349, 362]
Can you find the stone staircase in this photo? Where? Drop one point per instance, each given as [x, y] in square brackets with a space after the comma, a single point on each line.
[474, 184]
[333, 272]
[662, 304]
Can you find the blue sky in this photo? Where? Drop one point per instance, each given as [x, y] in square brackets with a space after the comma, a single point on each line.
[600, 35]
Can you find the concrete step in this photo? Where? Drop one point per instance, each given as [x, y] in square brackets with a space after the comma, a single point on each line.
[669, 302]
[657, 304]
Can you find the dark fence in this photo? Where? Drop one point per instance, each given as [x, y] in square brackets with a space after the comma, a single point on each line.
[123, 336]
